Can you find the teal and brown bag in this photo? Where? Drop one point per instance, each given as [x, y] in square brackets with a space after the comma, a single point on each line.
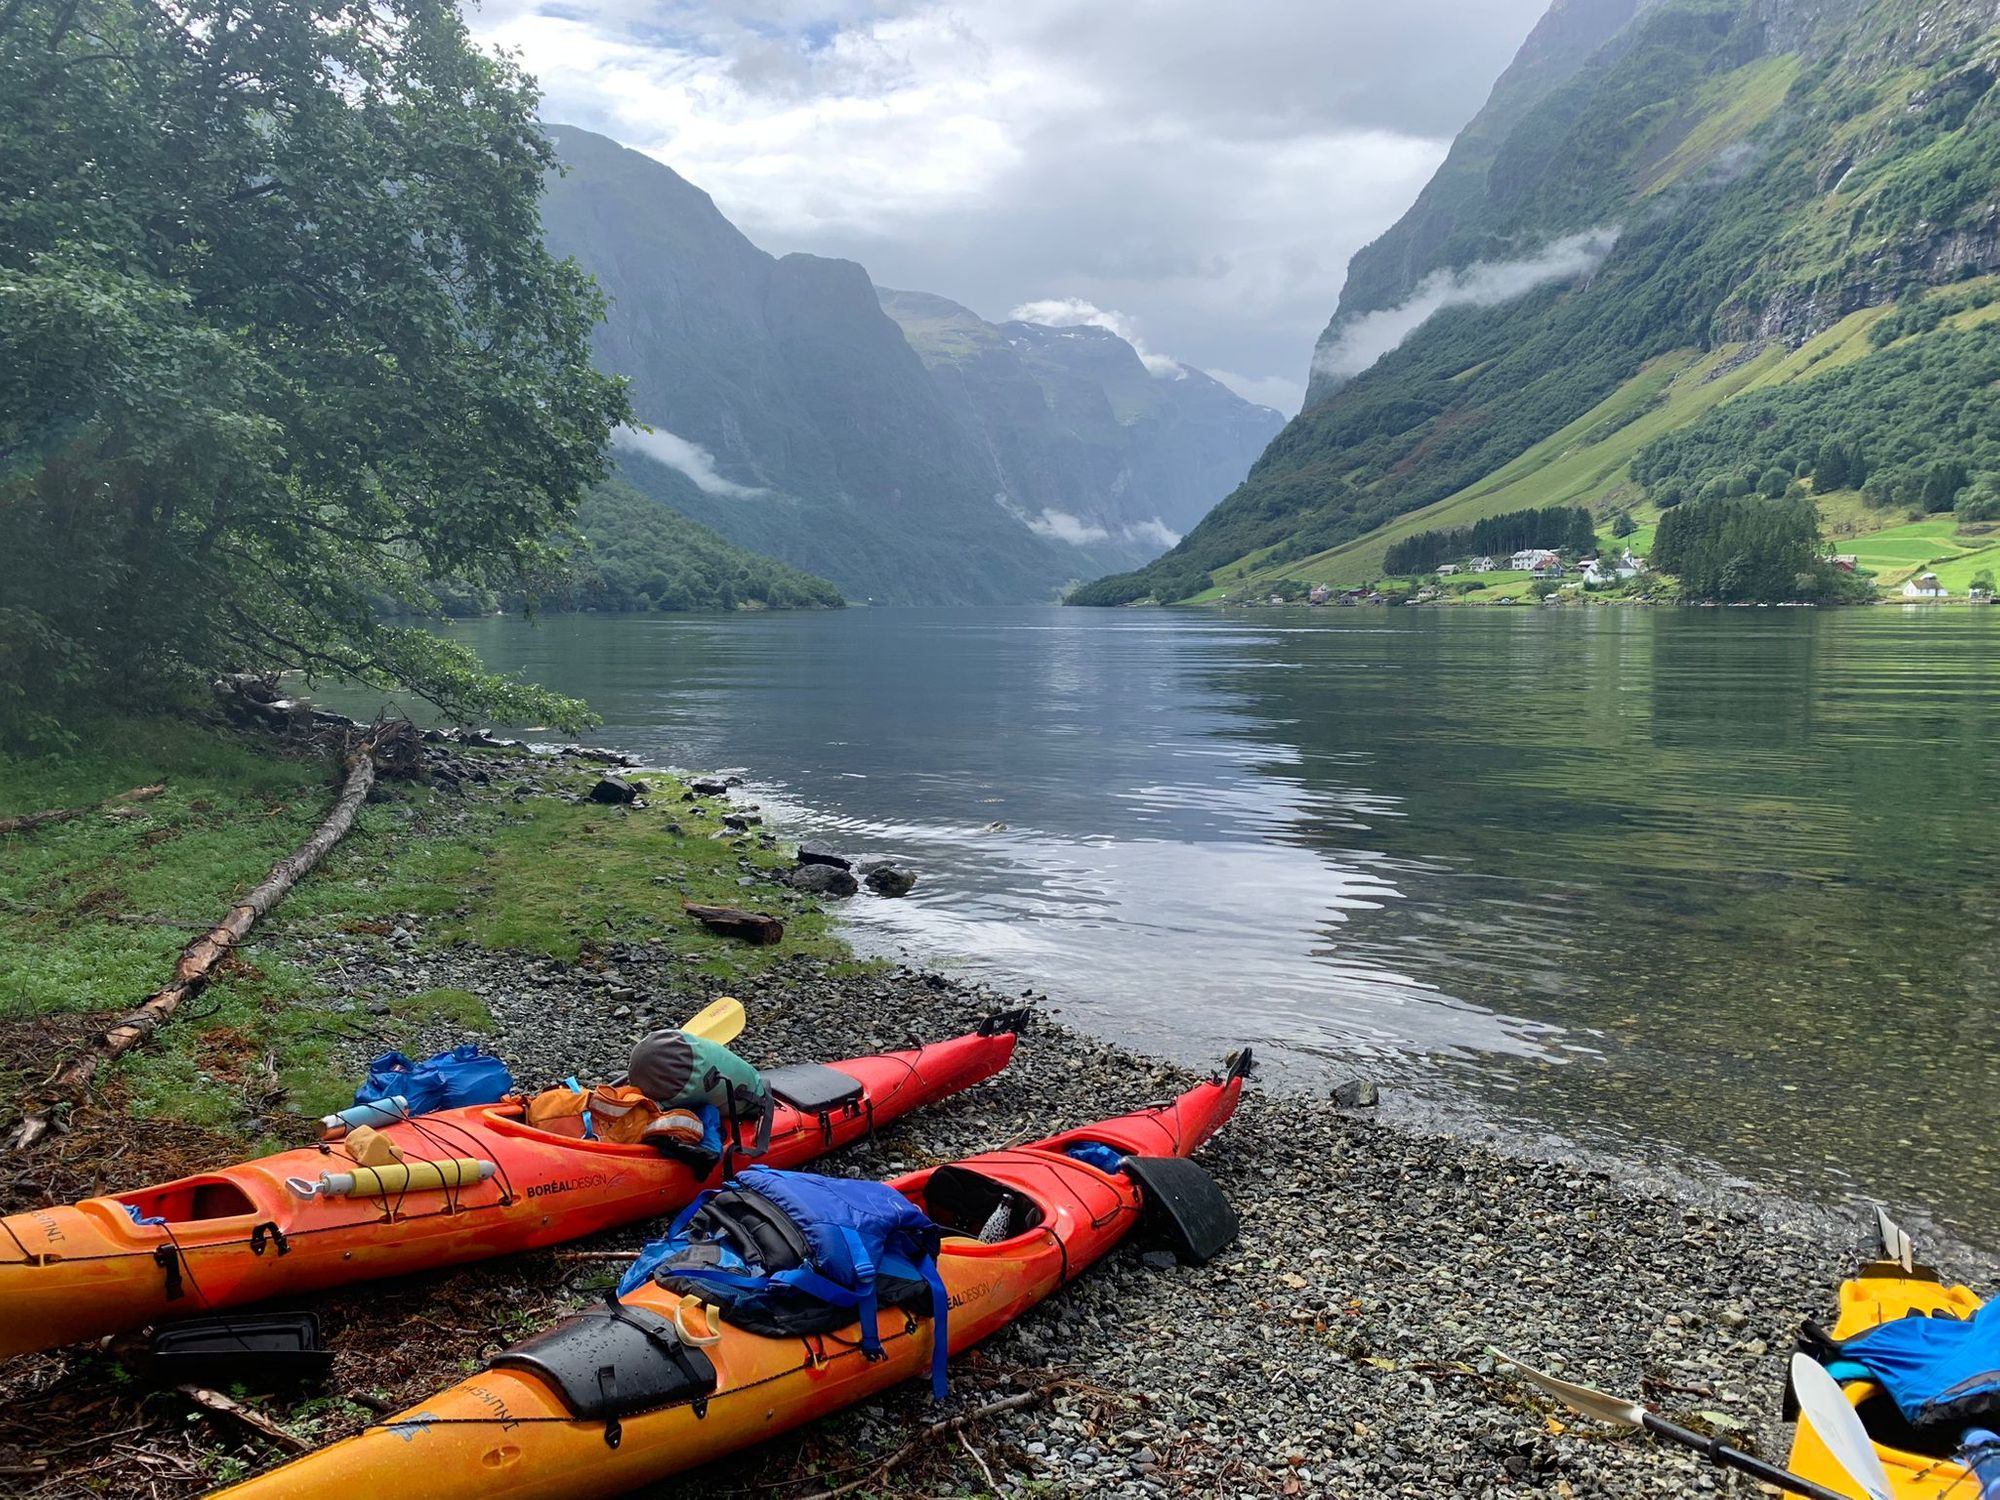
[679, 1071]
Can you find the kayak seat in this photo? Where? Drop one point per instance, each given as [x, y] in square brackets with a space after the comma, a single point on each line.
[612, 1362]
[961, 1201]
[814, 1088]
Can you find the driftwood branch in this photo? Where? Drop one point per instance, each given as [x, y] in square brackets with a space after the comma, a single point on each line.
[22, 822]
[200, 959]
[256, 1421]
[936, 1429]
[730, 921]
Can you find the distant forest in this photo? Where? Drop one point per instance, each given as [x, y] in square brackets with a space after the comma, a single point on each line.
[1916, 426]
[1560, 528]
[638, 555]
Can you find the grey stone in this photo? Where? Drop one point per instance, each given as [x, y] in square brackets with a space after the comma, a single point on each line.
[886, 879]
[823, 880]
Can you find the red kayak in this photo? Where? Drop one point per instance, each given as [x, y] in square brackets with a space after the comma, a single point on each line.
[619, 1397]
[240, 1234]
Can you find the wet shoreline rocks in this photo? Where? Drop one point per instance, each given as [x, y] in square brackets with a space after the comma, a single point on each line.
[1340, 1348]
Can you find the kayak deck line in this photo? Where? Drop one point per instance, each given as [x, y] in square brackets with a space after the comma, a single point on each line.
[528, 1426]
[240, 1234]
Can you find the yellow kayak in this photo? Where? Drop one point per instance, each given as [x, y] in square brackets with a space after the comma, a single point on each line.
[1883, 1291]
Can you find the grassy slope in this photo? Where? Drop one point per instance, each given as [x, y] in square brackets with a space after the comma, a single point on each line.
[1740, 169]
[530, 875]
[1588, 463]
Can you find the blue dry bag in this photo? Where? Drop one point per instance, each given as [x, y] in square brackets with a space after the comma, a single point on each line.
[465, 1074]
[1940, 1371]
[791, 1253]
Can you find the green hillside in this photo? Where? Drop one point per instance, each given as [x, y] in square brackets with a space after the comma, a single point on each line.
[641, 555]
[637, 554]
[1803, 201]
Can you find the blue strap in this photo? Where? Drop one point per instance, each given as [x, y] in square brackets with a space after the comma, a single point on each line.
[589, 1134]
[940, 1313]
[864, 1281]
[1845, 1370]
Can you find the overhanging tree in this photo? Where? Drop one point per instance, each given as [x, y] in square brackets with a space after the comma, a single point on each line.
[278, 339]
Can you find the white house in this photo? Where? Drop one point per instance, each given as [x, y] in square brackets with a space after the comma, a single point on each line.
[1924, 586]
[1534, 560]
[1597, 570]
[1480, 565]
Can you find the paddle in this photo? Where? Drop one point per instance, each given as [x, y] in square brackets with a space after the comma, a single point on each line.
[1610, 1409]
[1838, 1425]
[720, 1021]
[1896, 1244]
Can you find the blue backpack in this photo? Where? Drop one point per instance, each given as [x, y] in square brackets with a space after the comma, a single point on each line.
[461, 1075]
[1940, 1371]
[790, 1253]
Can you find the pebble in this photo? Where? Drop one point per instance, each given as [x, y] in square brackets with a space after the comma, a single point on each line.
[1340, 1348]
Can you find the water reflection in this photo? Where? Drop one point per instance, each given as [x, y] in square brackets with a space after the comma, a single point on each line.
[1718, 878]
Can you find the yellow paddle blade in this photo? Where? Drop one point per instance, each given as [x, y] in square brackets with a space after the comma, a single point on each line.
[721, 1021]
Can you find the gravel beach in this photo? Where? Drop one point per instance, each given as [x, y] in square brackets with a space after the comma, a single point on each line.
[1338, 1349]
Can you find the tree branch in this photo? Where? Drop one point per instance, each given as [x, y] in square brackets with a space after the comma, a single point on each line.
[22, 822]
[200, 959]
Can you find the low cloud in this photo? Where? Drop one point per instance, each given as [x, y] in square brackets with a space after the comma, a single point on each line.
[1486, 283]
[1064, 527]
[1156, 531]
[1074, 312]
[684, 457]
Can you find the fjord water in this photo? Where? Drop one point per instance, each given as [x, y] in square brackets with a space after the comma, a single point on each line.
[1718, 882]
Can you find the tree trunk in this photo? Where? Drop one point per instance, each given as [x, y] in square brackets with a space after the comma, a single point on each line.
[199, 960]
[24, 821]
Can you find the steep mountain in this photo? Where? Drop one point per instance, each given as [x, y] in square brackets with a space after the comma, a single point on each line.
[791, 414]
[1083, 434]
[1718, 205]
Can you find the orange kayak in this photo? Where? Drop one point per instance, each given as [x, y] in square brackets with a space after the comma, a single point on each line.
[613, 1400]
[234, 1236]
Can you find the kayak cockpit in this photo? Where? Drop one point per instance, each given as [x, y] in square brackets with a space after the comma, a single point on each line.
[191, 1200]
[961, 1201]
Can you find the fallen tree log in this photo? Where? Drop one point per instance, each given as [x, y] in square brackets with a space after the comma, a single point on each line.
[730, 921]
[22, 822]
[200, 958]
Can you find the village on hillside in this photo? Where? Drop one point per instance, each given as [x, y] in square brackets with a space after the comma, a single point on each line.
[1921, 562]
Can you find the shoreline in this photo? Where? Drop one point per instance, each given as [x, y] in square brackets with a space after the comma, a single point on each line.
[1338, 1349]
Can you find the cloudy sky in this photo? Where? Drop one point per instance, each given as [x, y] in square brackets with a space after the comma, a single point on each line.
[1196, 170]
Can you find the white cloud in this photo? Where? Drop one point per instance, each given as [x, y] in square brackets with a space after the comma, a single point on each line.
[1065, 527]
[1075, 312]
[1156, 531]
[690, 459]
[1206, 177]
[1363, 340]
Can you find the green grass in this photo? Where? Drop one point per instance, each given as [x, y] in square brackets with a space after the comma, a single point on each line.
[539, 875]
[227, 814]
[1957, 574]
[1731, 107]
[555, 878]
[1585, 463]
[461, 1008]
[1588, 463]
